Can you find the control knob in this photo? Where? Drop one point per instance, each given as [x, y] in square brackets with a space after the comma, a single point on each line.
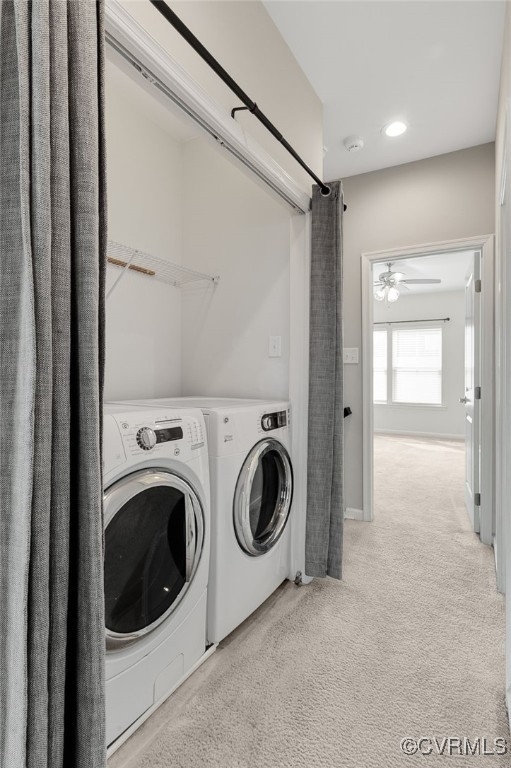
[267, 423]
[146, 438]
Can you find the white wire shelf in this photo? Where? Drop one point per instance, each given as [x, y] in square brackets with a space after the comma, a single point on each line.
[151, 267]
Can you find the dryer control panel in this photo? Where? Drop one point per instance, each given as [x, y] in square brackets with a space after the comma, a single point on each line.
[274, 420]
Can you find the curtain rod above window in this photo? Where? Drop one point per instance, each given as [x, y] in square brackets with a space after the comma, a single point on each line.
[252, 107]
[425, 320]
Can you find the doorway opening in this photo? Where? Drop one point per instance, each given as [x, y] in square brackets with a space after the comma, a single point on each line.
[428, 389]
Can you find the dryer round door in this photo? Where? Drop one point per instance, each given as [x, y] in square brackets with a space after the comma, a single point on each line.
[262, 500]
[154, 534]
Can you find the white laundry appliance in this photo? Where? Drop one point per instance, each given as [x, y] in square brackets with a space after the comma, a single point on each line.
[157, 532]
[251, 493]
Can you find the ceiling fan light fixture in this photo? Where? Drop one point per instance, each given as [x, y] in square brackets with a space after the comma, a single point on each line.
[379, 294]
[393, 294]
[395, 128]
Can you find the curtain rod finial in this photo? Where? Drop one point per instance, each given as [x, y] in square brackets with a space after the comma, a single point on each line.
[325, 191]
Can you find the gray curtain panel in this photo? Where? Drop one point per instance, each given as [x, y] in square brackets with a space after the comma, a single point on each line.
[325, 512]
[52, 257]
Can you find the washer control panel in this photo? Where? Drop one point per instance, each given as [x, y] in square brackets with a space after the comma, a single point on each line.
[147, 437]
[167, 436]
[195, 434]
[274, 420]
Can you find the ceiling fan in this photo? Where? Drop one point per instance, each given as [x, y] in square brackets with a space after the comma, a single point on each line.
[387, 287]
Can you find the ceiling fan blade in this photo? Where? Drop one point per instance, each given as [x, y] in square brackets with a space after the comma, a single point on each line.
[423, 281]
[395, 276]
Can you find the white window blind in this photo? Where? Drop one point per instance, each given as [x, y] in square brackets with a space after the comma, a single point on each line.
[417, 365]
[380, 365]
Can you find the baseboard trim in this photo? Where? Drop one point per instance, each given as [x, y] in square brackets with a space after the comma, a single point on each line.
[434, 435]
[354, 514]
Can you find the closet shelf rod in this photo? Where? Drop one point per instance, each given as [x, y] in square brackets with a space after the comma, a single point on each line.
[424, 320]
[203, 52]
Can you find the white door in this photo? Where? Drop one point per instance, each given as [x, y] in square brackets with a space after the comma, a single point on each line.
[471, 397]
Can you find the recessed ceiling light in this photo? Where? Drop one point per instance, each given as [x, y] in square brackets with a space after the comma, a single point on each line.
[396, 128]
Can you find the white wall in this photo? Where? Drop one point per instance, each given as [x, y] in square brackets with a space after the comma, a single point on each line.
[441, 198]
[233, 228]
[248, 246]
[244, 39]
[145, 210]
[503, 341]
[185, 201]
[449, 419]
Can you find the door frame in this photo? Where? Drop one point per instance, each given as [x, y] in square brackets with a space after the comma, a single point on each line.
[486, 244]
[300, 267]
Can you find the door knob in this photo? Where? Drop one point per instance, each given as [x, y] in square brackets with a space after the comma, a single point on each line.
[464, 400]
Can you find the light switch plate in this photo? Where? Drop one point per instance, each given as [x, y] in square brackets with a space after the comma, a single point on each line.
[275, 346]
[350, 356]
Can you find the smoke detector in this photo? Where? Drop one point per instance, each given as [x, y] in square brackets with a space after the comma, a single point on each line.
[353, 143]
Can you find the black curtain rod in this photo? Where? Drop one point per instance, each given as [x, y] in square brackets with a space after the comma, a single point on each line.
[396, 322]
[203, 52]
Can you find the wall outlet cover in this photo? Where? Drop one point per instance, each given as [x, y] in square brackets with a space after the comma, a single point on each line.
[350, 356]
[275, 346]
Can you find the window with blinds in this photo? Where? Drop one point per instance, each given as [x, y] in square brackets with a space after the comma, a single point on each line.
[417, 365]
[407, 365]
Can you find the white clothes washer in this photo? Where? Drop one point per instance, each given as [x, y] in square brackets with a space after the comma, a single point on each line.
[157, 533]
[251, 494]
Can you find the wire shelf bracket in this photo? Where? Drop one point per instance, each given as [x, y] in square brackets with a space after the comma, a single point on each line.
[151, 267]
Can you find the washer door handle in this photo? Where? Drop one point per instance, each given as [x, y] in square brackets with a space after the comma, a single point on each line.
[190, 537]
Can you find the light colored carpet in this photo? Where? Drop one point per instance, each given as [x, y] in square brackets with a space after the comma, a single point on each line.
[334, 675]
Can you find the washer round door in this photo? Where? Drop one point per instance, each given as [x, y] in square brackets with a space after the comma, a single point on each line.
[154, 533]
[262, 500]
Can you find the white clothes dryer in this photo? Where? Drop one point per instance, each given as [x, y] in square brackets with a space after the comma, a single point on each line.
[251, 494]
[157, 532]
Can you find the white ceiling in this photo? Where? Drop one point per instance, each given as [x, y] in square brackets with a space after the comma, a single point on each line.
[450, 268]
[433, 64]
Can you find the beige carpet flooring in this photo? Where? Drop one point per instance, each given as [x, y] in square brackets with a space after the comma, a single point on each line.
[334, 675]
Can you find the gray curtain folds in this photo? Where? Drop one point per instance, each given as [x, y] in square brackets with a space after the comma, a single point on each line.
[52, 257]
[324, 528]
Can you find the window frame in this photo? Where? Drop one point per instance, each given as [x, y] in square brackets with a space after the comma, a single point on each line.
[417, 325]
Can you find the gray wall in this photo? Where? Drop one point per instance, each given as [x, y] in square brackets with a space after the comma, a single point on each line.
[442, 198]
